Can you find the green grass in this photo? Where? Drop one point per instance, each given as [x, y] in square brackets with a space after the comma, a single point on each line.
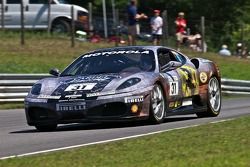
[219, 145]
[41, 52]
[15, 105]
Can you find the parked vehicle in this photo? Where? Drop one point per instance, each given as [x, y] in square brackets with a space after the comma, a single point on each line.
[36, 15]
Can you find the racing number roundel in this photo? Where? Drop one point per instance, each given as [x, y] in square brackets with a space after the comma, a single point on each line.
[203, 77]
[173, 88]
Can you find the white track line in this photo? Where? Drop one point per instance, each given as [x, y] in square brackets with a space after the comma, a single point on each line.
[106, 141]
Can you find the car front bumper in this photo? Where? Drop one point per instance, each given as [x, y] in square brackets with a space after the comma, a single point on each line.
[110, 108]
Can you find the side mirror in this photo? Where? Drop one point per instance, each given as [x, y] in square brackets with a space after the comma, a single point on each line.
[54, 72]
[172, 65]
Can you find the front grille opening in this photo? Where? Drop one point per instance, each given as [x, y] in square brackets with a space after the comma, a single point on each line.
[109, 109]
[38, 114]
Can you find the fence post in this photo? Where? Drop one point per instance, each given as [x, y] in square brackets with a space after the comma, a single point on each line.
[165, 28]
[90, 17]
[22, 22]
[2, 14]
[115, 28]
[203, 34]
[49, 12]
[105, 18]
[72, 27]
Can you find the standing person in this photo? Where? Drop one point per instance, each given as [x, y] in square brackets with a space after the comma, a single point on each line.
[156, 25]
[181, 24]
[133, 17]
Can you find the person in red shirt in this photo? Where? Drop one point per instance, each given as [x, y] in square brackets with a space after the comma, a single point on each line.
[181, 25]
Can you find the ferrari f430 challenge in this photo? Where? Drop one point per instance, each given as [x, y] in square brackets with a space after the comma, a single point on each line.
[125, 83]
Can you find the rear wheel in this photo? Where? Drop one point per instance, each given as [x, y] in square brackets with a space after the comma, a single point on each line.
[214, 99]
[44, 128]
[157, 105]
[60, 26]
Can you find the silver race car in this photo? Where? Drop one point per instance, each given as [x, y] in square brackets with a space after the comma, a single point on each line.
[125, 83]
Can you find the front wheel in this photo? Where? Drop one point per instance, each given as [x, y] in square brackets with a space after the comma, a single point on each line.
[214, 99]
[60, 26]
[44, 128]
[157, 105]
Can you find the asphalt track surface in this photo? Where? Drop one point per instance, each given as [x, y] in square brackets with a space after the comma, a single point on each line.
[17, 138]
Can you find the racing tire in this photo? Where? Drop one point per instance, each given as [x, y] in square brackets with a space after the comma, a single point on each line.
[213, 100]
[157, 105]
[46, 128]
[60, 26]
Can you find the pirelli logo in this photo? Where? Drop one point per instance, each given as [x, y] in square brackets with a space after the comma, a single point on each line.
[70, 106]
[133, 99]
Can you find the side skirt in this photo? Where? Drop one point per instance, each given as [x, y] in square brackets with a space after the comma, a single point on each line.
[186, 110]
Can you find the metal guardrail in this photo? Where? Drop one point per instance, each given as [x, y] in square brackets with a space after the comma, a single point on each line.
[235, 87]
[14, 87]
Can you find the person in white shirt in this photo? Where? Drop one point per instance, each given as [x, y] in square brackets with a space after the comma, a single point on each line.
[224, 51]
[156, 23]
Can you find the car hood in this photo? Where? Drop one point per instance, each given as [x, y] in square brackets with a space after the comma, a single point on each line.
[79, 85]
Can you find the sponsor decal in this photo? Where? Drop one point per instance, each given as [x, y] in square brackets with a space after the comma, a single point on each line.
[48, 97]
[100, 94]
[203, 77]
[133, 99]
[71, 107]
[72, 96]
[80, 86]
[171, 104]
[33, 100]
[72, 100]
[116, 53]
[187, 102]
[98, 78]
[174, 88]
[175, 78]
[174, 104]
[205, 61]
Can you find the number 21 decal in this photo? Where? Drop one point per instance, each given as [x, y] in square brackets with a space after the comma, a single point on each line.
[173, 88]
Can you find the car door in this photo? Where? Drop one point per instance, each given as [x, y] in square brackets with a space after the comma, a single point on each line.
[36, 14]
[174, 94]
[12, 14]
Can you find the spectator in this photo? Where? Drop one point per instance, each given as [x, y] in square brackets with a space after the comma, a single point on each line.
[133, 17]
[245, 52]
[156, 26]
[224, 51]
[181, 24]
[239, 49]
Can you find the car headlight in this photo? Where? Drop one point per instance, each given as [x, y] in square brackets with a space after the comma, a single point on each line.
[36, 89]
[128, 83]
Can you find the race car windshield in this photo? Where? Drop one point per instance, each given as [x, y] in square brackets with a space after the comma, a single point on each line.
[112, 62]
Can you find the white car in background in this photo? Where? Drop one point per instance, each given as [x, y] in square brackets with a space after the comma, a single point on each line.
[36, 15]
